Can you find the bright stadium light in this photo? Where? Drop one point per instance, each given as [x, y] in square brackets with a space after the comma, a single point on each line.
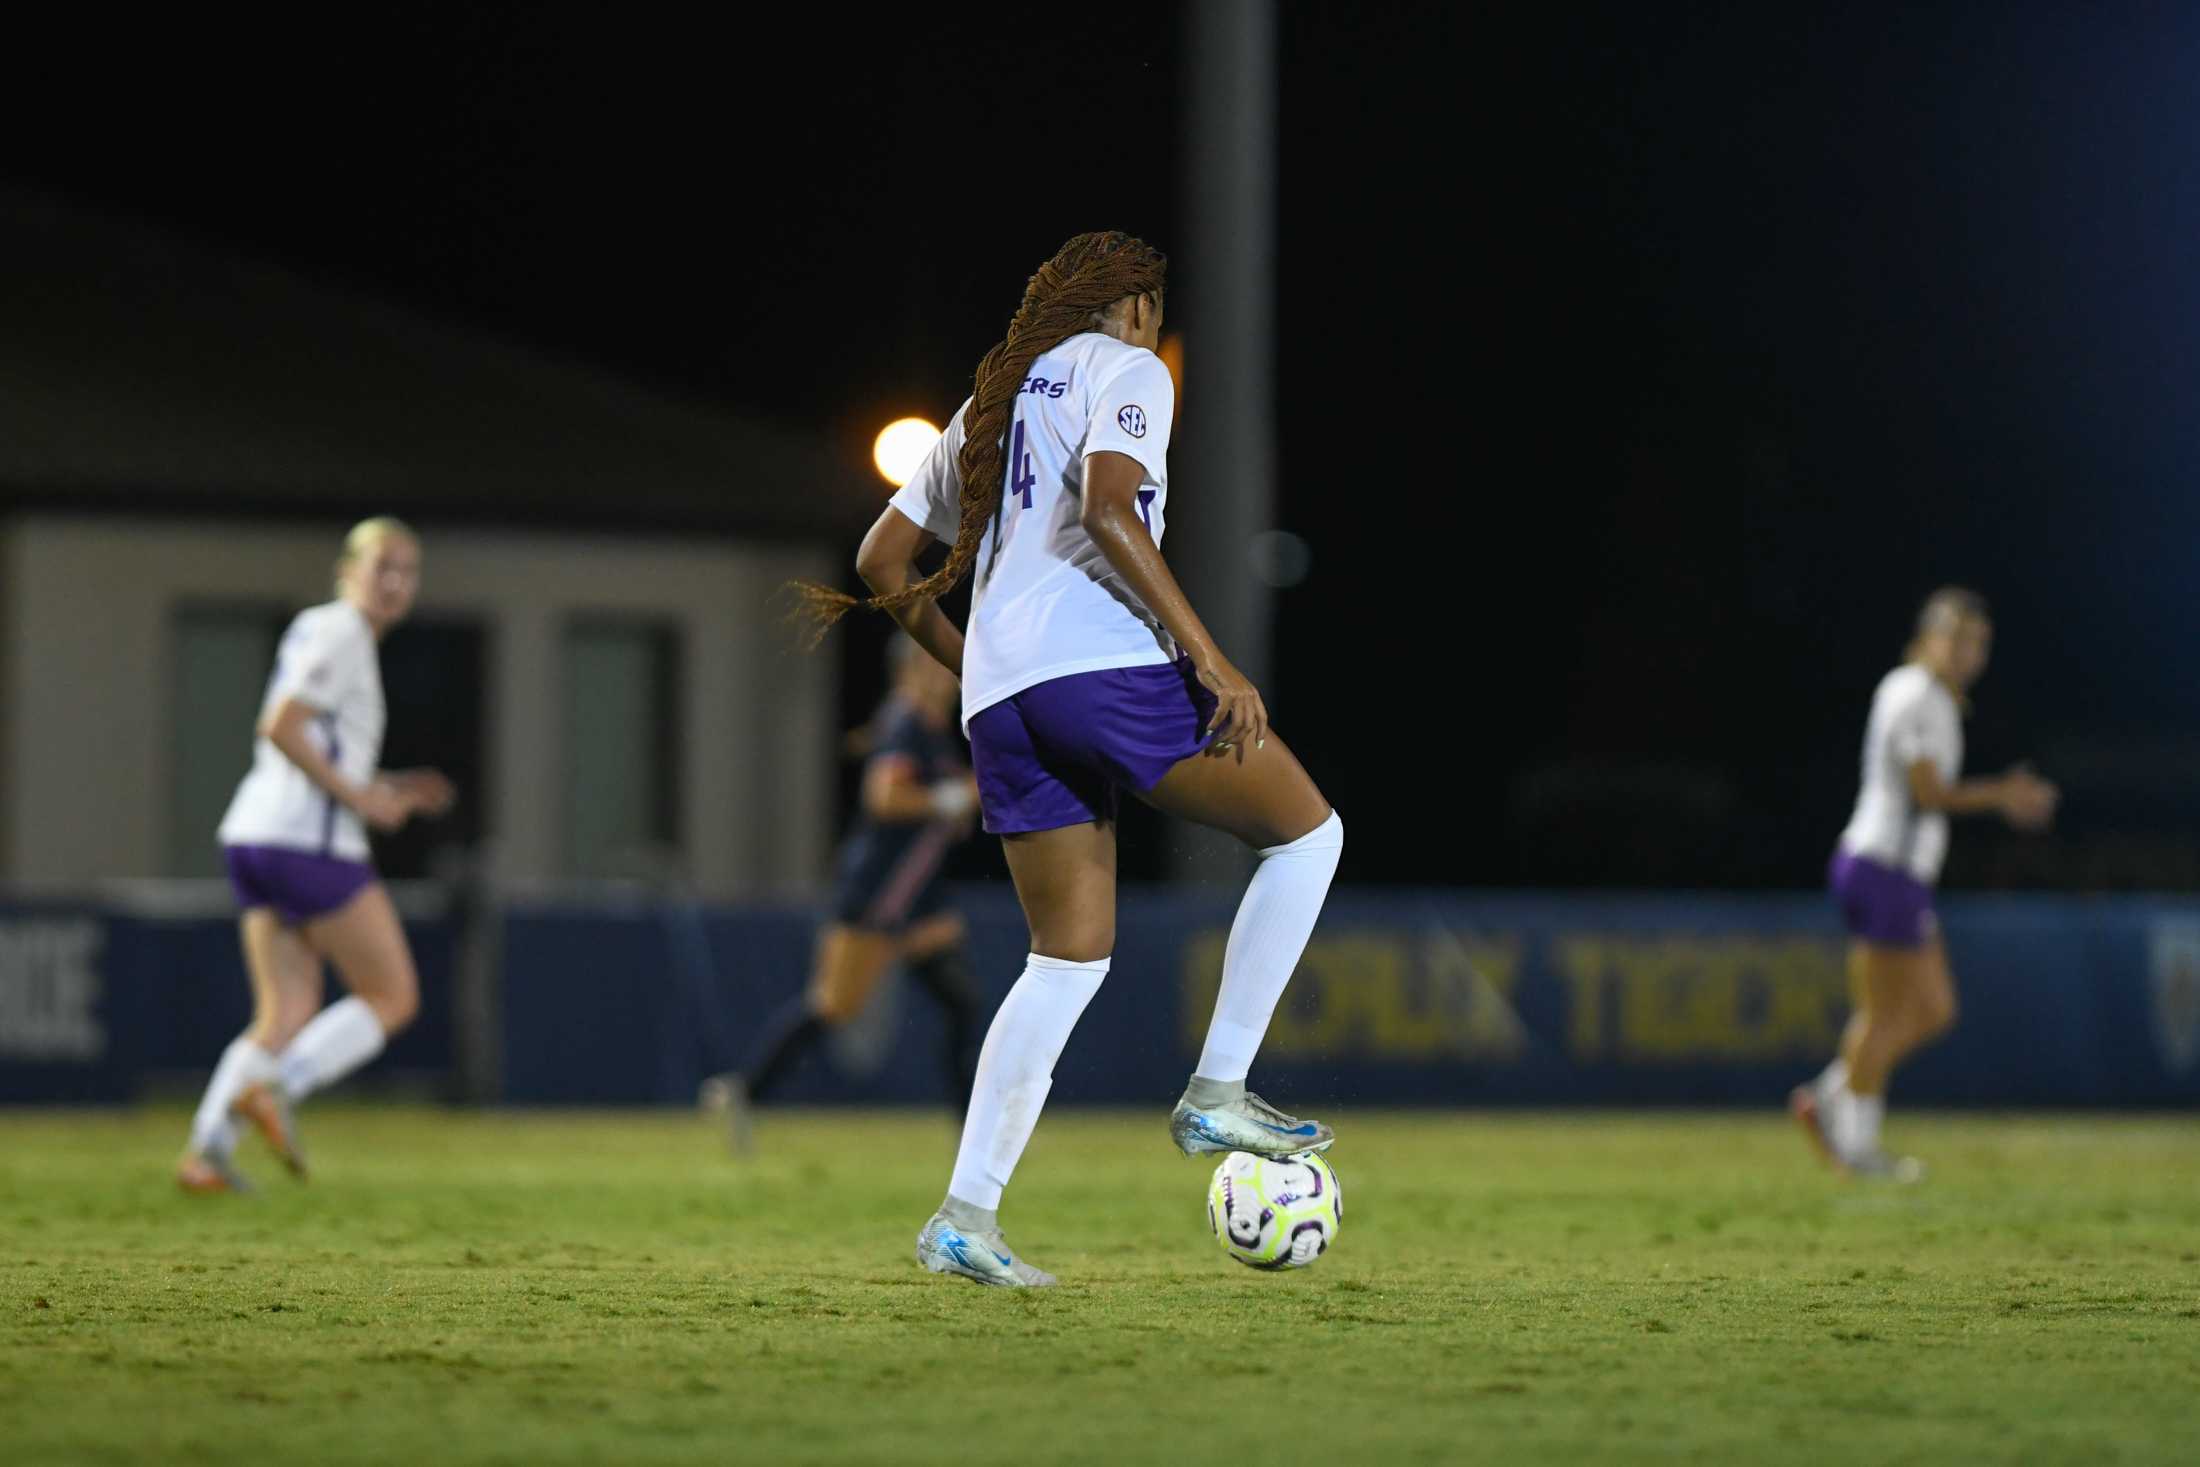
[901, 448]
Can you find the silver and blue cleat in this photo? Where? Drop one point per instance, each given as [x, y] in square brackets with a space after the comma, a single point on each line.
[983, 1257]
[1248, 1123]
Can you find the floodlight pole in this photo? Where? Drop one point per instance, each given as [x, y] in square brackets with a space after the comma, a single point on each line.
[1223, 469]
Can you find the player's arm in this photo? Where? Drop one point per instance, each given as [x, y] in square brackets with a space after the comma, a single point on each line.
[2020, 796]
[378, 802]
[895, 794]
[1110, 516]
[887, 562]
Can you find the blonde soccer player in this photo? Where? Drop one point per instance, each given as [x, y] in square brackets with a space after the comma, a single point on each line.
[295, 844]
[1086, 673]
[1884, 869]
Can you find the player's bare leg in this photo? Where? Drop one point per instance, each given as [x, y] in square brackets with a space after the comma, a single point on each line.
[851, 961]
[1264, 797]
[1065, 879]
[936, 954]
[260, 1103]
[844, 973]
[286, 989]
[1812, 1104]
[1900, 990]
[365, 942]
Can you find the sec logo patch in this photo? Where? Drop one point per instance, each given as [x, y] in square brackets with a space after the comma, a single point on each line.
[1132, 420]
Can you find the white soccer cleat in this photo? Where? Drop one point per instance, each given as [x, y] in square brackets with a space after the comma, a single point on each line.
[715, 1094]
[1245, 1124]
[727, 1096]
[982, 1257]
[1876, 1166]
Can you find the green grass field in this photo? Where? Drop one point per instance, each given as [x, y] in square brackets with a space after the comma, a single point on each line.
[460, 1287]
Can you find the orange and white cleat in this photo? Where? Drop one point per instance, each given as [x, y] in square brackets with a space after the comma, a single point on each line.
[203, 1173]
[268, 1112]
[1803, 1104]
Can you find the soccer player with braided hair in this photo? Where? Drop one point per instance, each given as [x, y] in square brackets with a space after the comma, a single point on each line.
[1086, 672]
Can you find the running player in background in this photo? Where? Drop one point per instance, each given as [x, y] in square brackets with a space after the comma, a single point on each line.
[1086, 672]
[1883, 872]
[917, 802]
[295, 842]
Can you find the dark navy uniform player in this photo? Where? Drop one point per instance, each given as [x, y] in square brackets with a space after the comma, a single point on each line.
[919, 799]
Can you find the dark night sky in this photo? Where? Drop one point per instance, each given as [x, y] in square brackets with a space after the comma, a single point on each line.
[1639, 374]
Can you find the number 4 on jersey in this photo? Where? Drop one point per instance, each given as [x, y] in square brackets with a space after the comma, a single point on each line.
[1020, 476]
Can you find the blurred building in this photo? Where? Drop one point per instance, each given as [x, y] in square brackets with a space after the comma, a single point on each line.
[597, 654]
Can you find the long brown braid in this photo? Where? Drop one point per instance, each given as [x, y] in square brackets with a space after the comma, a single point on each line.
[1066, 296]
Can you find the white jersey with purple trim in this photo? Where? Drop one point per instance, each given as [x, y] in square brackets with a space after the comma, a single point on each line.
[1913, 717]
[1045, 603]
[327, 660]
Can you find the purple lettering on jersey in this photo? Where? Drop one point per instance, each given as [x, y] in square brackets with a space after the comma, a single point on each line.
[1145, 507]
[1020, 476]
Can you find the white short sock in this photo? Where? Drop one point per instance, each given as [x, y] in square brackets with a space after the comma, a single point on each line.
[340, 1039]
[1865, 1112]
[1833, 1077]
[1016, 1070]
[242, 1063]
[1266, 942]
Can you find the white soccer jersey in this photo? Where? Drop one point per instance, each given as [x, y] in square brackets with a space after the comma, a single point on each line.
[327, 659]
[1045, 602]
[1913, 717]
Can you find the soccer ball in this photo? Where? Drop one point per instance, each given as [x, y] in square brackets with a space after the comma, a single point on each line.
[1274, 1214]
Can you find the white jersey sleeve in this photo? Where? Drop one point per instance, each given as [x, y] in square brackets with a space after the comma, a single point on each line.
[320, 658]
[1045, 602]
[1132, 413]
[1913, 717]
[1922, 726]
[932, 499]
[327, 661]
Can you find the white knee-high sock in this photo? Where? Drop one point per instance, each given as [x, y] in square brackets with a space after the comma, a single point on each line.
[1266, 942]
[341, 1038]
[242, 1063]
[1015, 1072]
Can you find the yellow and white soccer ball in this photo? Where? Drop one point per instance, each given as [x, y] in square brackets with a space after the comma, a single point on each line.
[1274, 1214]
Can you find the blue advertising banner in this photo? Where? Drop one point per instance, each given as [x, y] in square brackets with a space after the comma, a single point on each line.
[96, 998]
[1431, 998]
[1437, 998]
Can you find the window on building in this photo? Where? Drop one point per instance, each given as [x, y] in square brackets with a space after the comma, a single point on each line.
[223, 654]
[434, 678]
[622, 746]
